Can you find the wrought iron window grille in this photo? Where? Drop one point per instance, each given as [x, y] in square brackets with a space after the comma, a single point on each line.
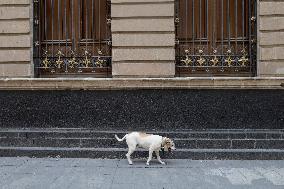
[72, 37]
[215, 38]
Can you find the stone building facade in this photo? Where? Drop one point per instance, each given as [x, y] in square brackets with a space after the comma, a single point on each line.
[143, 44]
[50, 108]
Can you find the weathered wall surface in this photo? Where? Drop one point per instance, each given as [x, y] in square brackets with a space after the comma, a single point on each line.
[271, 38]
[15, 38]
[143, 38]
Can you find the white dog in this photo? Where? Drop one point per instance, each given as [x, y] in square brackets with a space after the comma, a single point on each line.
[148, 141]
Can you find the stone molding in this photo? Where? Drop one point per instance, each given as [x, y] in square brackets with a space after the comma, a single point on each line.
[141, 83]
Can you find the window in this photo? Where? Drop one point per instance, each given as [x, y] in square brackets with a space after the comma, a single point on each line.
[72, 37]
[215, 37]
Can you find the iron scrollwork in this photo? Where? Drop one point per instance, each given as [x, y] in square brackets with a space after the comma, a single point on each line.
[243, 60]
[46, 61]
[59, 62]
[187, 61]
[229, 60]
[201, 60]
[214, 60]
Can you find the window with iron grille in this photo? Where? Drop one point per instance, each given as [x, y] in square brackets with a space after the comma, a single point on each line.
[72, 37]
[215, 37]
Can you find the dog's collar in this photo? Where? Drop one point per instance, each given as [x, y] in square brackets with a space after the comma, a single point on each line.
[163, 144]
[163, 149]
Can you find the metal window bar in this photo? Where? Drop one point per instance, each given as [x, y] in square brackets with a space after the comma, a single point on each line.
[215, 38]
[72, 38]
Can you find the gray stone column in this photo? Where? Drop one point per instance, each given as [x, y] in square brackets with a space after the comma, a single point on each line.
[143, 38]
[271, 38]
[15, 38]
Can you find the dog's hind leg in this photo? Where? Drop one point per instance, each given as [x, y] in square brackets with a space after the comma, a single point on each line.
[158, 157]
[150, 156]
[130, 151]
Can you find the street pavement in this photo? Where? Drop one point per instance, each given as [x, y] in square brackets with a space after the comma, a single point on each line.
[57, 173]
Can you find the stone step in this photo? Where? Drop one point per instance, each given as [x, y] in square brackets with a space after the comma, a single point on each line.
[193, 134]
[119, 153]
[195, 144]
[180, 143]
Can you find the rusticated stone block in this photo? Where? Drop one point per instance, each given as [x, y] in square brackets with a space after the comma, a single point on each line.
[15, 70]
[15, 2]
[14, 26]
[144, 39]
[271, 38]
[143, 69]
[15, 55]
[143, 54]
[15, 41]
[271, 23]
[134, 10]
[143, 25]
[141, 1]
[271, 8]
[271, 68]
[14, 12]
[272, 53]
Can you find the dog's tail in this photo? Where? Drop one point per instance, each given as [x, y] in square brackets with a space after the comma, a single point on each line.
[120, 139]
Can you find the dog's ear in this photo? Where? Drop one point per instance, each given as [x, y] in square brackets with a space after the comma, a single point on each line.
[168, 140]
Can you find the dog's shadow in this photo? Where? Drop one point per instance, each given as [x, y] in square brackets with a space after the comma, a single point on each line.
[141, 163]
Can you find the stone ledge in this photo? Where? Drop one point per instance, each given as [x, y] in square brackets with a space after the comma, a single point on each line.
[138, 83]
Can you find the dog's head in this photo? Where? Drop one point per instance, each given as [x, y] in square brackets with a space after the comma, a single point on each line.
[168, 144]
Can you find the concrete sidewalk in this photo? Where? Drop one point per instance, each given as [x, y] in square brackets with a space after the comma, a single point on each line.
[49, 173]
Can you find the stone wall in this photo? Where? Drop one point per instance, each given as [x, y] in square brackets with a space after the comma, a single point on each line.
[143, 38]
[271, 38]
[15, 38]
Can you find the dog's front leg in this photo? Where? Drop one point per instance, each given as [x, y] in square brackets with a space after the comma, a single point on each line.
[150, 156]
[159, 158]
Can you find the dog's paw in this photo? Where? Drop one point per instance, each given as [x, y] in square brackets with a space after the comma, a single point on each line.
[163, 163]
[147, 163]
[130, 163]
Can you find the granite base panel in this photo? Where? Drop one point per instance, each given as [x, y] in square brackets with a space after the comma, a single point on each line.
[143, 109]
